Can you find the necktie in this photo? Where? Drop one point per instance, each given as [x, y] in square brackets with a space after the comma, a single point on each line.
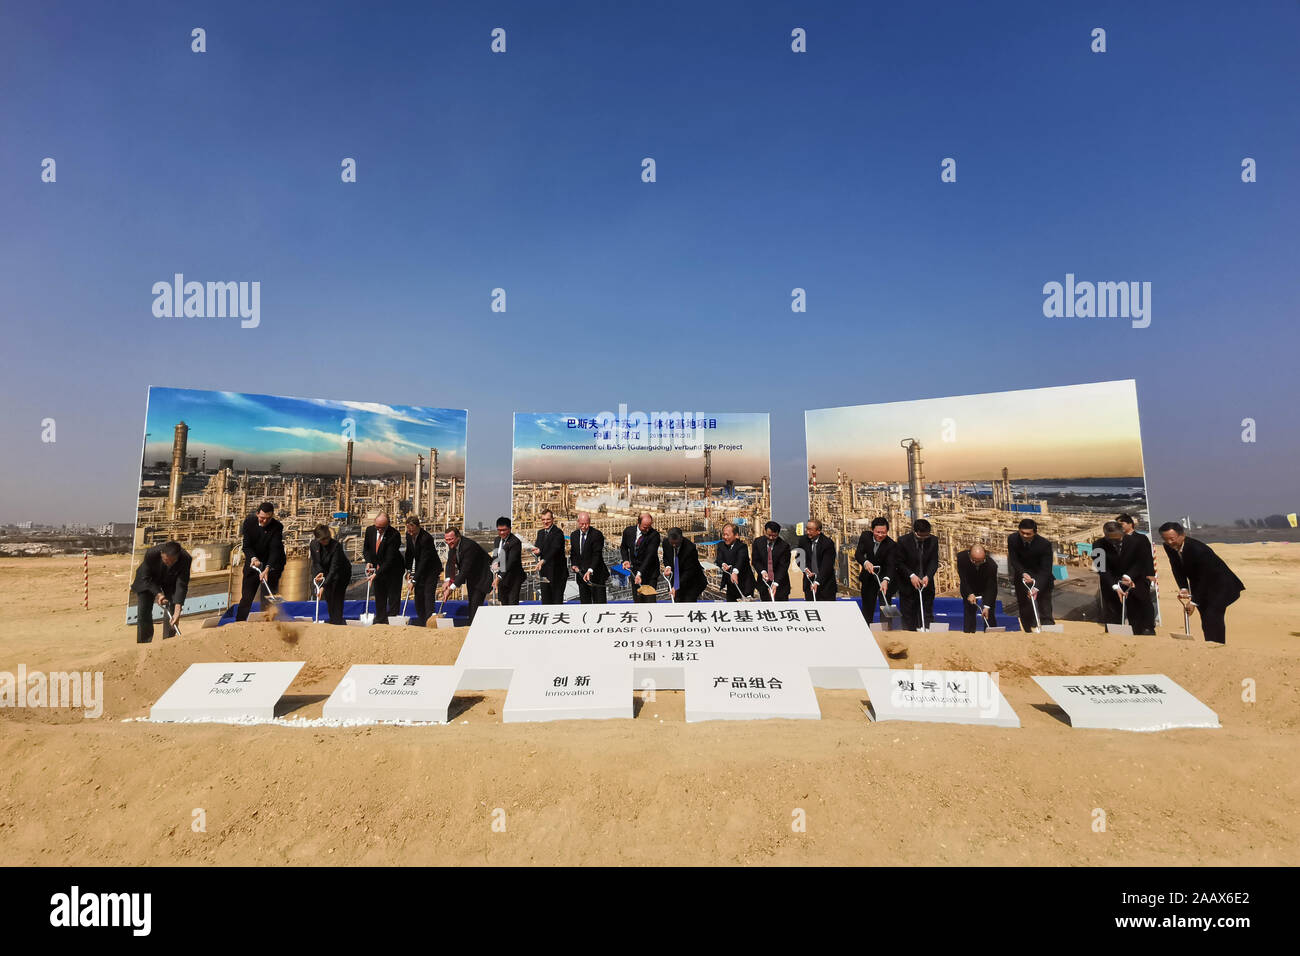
[677, 573]
[582, 543]
[771, 574]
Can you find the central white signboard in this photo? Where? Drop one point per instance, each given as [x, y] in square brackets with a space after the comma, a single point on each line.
[226, 691]
[1127, 702]
[665, 642]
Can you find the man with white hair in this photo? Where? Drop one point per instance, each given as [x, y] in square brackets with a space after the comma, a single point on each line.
[587, 559]
[382, 550]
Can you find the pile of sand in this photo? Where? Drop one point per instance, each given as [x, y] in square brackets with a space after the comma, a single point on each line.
[653, 789]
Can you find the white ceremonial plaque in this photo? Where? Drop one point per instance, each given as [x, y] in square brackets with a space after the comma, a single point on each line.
[741, 689]
[226, 691]
[664, 642]
[952, 697]
[1127, 702]
[407, 692]
[555, 690]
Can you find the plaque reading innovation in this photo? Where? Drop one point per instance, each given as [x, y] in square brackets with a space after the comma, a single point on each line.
[597, 690]
[665, 642]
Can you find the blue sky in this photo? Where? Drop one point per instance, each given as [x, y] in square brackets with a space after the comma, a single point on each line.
[775, 171]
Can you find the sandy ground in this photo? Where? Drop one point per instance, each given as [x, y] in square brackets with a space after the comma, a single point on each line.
[652, 790]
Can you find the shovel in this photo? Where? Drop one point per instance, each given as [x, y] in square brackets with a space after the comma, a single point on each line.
[315, 617]
[1187, 620]
[1123, 627]
[401, 620]
[1039, 627]
[367, 617]
[983, 616]
[175, 629]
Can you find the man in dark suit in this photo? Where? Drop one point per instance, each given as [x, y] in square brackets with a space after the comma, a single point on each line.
[977, 577]
[819, 558]
[1141, 612]
[916, 562]
[771, 554]
[382, 550]
[508, 564]
[1204, 581]
[732, 558]
[163, 578]
[331, 571]
[552, 567]
[682, 564]
[640, 552]
[587, 559]
[468, 565]
[423, 568]
[1030, 558]
[264, 557]
[1110, 554]
[875, 552]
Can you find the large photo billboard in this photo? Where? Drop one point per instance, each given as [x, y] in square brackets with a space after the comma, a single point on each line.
[697, 471]
[975, 466]
[211, 459]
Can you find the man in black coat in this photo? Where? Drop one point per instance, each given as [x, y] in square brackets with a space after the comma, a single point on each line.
[1030, 558]
[682, 564]
[587, 559]
[552, 566]
[162, 578]
[875, 553]
[331, 571]
[819, 560]
[264, 557]
[1141, 612]
[468, 566]
[977, 577]
[508, 564]
[1204, 581]
[732, 558]
[916, 562]
[771, 562]
[382, 550]
[640, 552]
[1120, 574]
[423, 568]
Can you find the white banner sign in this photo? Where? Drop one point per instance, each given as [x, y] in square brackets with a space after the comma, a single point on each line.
[664, 642]
[226, 691]
[954, 697]
[597, 690]
[1127, 702]
[407, 692]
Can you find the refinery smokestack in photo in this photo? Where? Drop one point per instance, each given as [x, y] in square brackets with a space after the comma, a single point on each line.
[180, 439]
[419, 470]
[915, 479]
[347, 483]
